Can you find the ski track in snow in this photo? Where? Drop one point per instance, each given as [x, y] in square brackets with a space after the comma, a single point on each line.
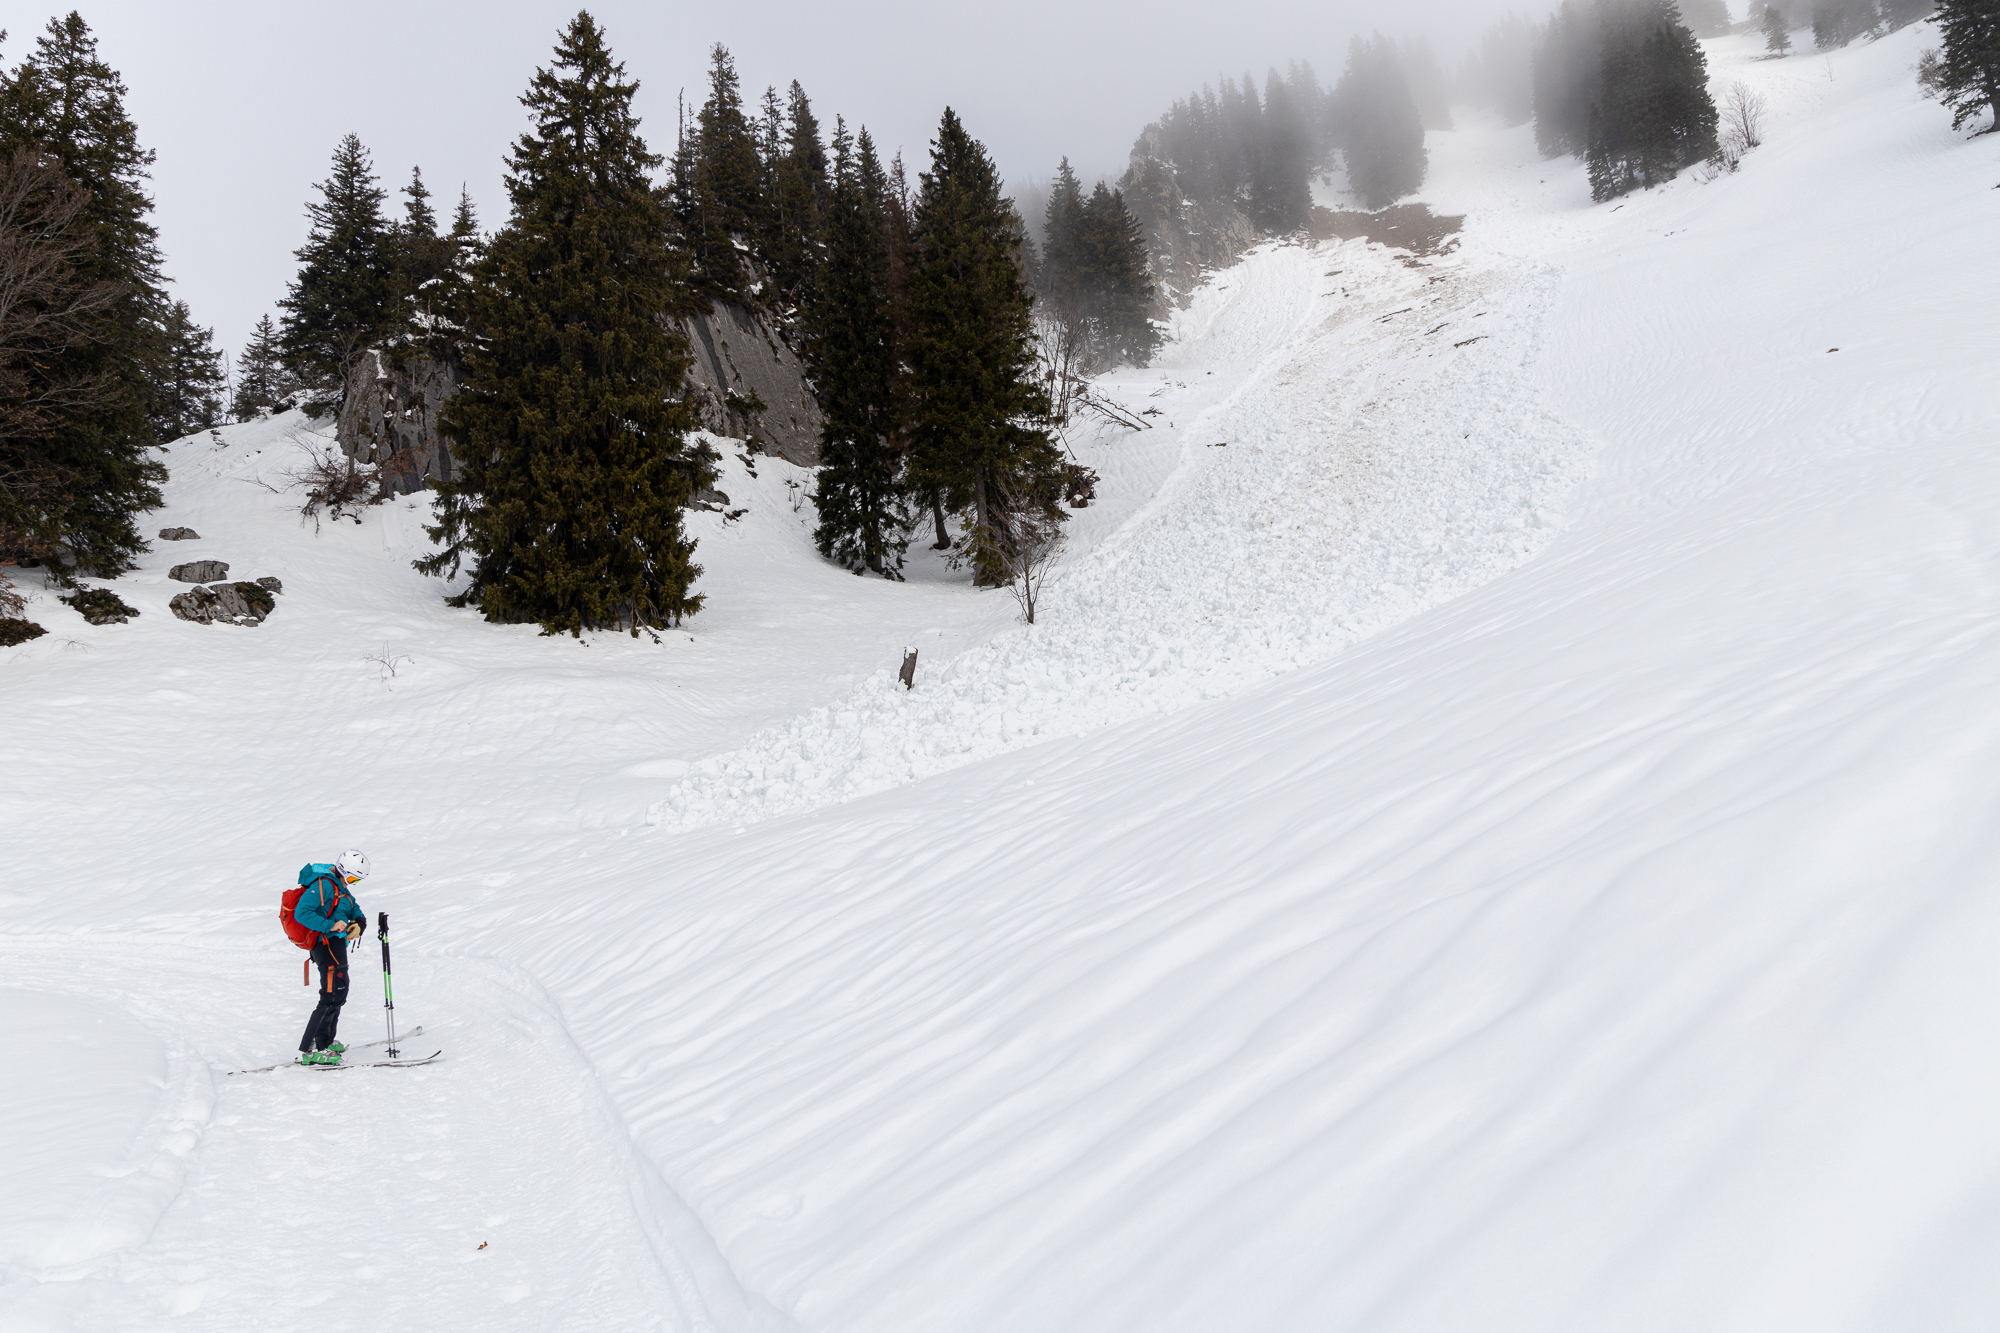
[1369, 467]
[497, 1184]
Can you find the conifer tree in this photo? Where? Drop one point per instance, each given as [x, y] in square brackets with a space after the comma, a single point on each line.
[1971, 74]
[262, 382]
[1652, 115]
[721, 200]
[347, 294]
[1280, 195]
[1062, 238]
[1777, 31]
[187, 396]
[975, 441]
[571, 429]
[1383, 134]
[795, 193]
[862, 510]
[422, 255]
[1566, 65]
[91, 473]
[1118, 290]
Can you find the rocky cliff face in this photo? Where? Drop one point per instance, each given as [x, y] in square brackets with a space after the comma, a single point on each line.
[1184, 238]
[389, 418]
[745, 382]
[749, 386]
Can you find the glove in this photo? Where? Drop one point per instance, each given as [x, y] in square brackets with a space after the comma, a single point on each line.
[352, 929]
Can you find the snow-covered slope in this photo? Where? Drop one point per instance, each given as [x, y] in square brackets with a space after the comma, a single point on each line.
[1397, 888]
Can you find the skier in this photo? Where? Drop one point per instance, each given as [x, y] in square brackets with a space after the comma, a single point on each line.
[326, 906]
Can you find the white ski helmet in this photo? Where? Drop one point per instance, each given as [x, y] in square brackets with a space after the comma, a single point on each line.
[352, 866]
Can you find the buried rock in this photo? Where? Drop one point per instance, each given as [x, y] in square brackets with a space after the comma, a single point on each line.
[269, 582]
[199, 571]
[225, 603]
[179, 535]
[101, 606]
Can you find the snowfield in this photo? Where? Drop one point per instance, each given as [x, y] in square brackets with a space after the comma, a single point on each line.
[1491, 832]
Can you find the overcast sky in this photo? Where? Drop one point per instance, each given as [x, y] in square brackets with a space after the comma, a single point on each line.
[244, 101]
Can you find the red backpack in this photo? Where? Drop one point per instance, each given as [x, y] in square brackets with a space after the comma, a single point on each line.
[295, 932]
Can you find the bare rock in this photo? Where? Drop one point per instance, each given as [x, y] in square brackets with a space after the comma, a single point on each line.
[389, 417]
[269, 582]
[749, 385]
[224, 603]
[179, 535]
[1185, 238]
[199, 571]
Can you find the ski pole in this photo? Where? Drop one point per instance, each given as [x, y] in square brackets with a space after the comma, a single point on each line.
[388, 990]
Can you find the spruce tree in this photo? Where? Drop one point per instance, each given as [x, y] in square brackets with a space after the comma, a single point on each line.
[262, 382]
[571, 429]
[1281, 193]
[91, 473]
[1062, 238]
[423, 256]
[1566, 64]
[1119, 292]
[795, 194]
[1777, 30]
[1971, 74]
[347, 294]
[721, 200]
[1384, 135]
[862, 510]
[1653, 114]
[188, 394]
[975, 439]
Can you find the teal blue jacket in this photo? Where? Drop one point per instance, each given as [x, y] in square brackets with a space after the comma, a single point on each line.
[325, 901]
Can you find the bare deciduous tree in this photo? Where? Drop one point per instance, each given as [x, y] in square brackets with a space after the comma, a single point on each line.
[1743, 115]
[331, 480]
[1034, 540]
[45, 309]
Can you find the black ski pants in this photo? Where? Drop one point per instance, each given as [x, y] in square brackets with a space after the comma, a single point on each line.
[331, 955]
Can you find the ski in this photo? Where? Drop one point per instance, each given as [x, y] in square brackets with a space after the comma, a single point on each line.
[381, 1064]
[357, 1046]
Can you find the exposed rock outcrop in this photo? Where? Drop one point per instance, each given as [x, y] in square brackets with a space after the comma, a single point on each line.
[199, 571]
[746, 384]
[389, 418]
[179, 535]
[1184, 238]
[225, 603]
[750, 386]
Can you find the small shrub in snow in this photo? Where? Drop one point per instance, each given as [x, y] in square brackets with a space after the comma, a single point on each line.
[101, 606]
[333, 483]
[19, 631]
[1743, 115]
[1930, 72]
